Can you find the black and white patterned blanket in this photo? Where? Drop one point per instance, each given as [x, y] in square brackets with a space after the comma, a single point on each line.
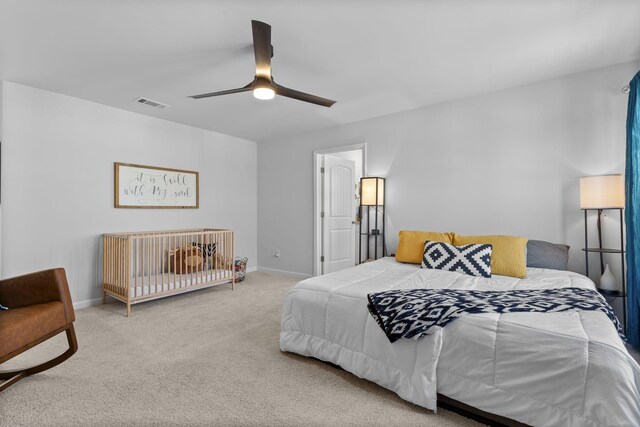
[413, 313]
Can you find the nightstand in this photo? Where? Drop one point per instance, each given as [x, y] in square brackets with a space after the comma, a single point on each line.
[610, 296]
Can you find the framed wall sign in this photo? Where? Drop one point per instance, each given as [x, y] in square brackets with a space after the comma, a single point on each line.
[138, 186]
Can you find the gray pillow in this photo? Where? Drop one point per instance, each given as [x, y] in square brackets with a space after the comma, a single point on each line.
[541, 254]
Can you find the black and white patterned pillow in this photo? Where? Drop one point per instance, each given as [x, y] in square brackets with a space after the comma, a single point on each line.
[474, 260]
[208, 249]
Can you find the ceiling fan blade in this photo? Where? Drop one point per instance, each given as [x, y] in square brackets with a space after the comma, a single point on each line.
[301, 96]
[224, 92]
[262, 48]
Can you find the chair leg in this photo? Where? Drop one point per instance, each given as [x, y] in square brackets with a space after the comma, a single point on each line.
[14, 379]
[11, 377]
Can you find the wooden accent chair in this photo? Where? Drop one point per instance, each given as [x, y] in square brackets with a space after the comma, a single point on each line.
[39, 308]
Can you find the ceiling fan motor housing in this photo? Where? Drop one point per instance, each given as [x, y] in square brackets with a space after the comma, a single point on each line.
[263, 82]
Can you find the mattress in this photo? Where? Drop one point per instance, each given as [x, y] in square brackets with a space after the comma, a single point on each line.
[547, 369]
[151, 284]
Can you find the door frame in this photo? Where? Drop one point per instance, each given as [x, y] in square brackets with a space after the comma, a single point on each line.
[317, 195]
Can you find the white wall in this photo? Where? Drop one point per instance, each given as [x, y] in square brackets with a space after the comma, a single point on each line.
[504, 163]
[57, 182]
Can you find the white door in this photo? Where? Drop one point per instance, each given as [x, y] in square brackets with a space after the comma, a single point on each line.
[338, 243]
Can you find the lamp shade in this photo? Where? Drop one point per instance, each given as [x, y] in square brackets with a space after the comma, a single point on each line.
[372, 191]
[602, 192]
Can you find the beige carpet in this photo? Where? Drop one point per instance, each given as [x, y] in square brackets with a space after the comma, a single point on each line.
[209, 357]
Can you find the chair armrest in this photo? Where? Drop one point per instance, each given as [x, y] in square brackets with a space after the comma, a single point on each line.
[37, 288]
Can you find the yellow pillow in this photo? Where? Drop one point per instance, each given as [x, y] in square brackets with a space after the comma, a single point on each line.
[411, 245]
[508, 257]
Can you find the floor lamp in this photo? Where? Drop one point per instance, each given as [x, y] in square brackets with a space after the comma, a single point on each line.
[600, 193]
[371, 196]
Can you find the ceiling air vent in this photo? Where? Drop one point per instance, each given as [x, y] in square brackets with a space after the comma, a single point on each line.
[151, 103]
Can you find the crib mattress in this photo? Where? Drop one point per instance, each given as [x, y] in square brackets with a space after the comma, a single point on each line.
[151, 284]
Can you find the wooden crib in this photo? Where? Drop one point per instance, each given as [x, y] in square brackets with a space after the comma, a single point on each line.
[138, 267]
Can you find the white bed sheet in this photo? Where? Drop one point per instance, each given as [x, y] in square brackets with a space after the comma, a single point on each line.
[550, 369]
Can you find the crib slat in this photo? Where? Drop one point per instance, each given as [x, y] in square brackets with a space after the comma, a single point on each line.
[223, 260]
[210, 277]
[127, 258]
[107, 269]
[120, 261]
[116, 272]
[116, 252]
[162, 260]
[197, 266]
[140, 266]
[210, 260]
[114, 262]
[104, 264]
[143, 262]
[155, 262]
[111, 262]
[123, 252]
[205, 250]
[200, 240]
[180, 271]
[226, 258]
[191, 268]
[135, 266]
[148, 266]
[158, 269]
[143, 266]
[119, 256]
[233, 262]
[143, 272]
[187, 256]
[181, 274]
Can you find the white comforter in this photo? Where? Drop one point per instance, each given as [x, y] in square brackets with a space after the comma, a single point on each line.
[551, 369]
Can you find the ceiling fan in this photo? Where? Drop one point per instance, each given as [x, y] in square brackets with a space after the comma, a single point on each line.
[263, 85]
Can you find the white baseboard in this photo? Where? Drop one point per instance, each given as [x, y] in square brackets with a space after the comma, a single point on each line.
[87, 303]
[251, 269]
[285, 272]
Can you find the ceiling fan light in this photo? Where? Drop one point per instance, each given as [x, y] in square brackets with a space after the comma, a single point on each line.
[264, 93]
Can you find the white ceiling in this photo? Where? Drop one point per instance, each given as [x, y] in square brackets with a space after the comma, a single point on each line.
[373, 57]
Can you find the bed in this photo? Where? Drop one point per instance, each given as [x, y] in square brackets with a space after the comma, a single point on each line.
[551, 369]
[143, 266]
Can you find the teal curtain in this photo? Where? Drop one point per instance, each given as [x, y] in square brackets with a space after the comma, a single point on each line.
[632, 212]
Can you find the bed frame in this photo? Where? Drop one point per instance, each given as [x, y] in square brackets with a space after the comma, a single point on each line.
[476, 414]
[143, 266]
